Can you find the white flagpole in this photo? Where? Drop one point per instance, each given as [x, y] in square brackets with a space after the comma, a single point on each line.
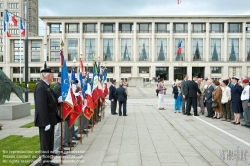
[20, 54]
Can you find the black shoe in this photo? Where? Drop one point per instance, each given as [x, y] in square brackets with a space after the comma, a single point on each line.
[189, 114]
[207, 116]
[115, 113]
[197, 115]
[247, 125]
[233, 122]
[243, 124]
[53, 164]
[125, 115]
[184, 113]
[120, 115]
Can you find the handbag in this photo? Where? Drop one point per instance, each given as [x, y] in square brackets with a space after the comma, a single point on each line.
[157, 91]
[215, 104]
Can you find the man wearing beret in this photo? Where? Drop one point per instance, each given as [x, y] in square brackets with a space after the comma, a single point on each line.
[244, 99]
[45, 115]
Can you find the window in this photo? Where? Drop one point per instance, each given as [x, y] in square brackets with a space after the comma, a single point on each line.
[162, 49]
[34, 70]
[35, 56]
[17, 69]
[197, 49]
[54, 49]
[215, 50]
[125, 69]
[89, 28]
[1, 58]
[89, 69]
[90, 49]
[110, 69]
[180, 49]
[178, 72]
[14, 31]
[161, 28]
[180, 28]
[125, 49]
[107, 49]
[72, 49]
[125, 28]
[1, 5]
[55, 69]
[248, 50]
[199, 71]
[144, 28]
[1, 68]
[145, 79]
[248, 27]
[216, 70]
[13, 5]
[72, 28]
[55, 44]
[143, 49]
[198, 28]
[17, 56]
[233, 49]
[162, 72]
[108, 28]
[56, 28]
[35, 45]
[143, 70]
[17, 44]
[34, 79]
[234, 27]
[1, 40]
[216, 27]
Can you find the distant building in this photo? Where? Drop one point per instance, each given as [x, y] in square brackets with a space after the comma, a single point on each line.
[142, 46]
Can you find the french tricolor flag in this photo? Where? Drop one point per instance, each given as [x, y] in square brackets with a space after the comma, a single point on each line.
[10, 18]
[179, 47]
[5, 29]
[22, 29]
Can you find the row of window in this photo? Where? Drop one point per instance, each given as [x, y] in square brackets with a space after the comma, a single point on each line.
[144, 49]
[162, 71]
[147, 27]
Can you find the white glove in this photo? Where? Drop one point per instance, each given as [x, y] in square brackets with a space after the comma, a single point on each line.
[112, 100]
[59, 99]
[47, 127]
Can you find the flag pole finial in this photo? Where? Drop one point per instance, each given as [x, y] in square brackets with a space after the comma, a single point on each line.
[62, 45]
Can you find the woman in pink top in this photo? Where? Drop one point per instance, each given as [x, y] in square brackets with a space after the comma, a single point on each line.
[161, 89]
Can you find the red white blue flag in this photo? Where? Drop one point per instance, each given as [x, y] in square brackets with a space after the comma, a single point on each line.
[22, 29]
[179, 47]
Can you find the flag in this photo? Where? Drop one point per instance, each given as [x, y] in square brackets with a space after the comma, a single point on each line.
[12, 19]
[100, 93]
[73, 76]
[81, 66]
[104, 74]
[179, 2]
[179, 47]
[88, 103]
[22, 30]
[67, 105]
[77, 109]
[6, 15]
[94, 85]
[6, 30]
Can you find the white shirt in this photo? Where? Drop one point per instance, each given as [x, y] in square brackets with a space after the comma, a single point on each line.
[245, 93]
[226, 94]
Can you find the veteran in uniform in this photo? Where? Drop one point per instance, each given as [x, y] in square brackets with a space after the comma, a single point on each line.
[45, 115]
[245, 106]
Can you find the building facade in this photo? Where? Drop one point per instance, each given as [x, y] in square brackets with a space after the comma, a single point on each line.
[17, 8]
[143, 46]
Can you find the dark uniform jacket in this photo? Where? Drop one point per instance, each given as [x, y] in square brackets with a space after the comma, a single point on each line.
[236, 91]
[112, 90]
[208, 93]
[176, 92]
[45, 105]
[184, 88]
[193, 89]
[121, 94]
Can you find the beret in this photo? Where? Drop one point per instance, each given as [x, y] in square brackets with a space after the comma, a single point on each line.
[47, 70]
[246, 81]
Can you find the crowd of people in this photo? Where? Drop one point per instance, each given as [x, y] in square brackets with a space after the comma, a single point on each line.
[226, 99]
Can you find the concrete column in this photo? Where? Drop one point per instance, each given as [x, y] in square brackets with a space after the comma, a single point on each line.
[225, 70]
[243, 53]
[171, 73]
[207, 71]
[98, 53]
[81, 39]
[189, 54]
[225, 56]
[117, 72]
[189, 72]
[171, 44]
[244, 71]
[116, 41]
[45, 44]
[153, 43]
[207, 53]
[135, 42]
[152, 71]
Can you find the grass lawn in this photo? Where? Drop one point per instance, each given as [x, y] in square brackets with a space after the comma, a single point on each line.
[28, 125]
[32, 107]
[19, 150]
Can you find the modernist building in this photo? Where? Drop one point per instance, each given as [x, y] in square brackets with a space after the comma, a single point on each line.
[17, 8]
[142, 46]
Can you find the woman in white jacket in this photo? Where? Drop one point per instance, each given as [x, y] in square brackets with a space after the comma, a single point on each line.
[226, 100]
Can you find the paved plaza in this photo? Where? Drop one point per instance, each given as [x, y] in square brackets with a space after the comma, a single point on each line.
[152, 137]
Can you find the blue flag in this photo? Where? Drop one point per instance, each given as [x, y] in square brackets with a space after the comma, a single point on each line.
[65, 83]
[73, 76]
[105, 72]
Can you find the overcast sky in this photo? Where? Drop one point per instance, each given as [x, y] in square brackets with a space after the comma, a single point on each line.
[142, 7]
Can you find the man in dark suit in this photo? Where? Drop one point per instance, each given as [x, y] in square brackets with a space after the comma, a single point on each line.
[192, 96]
[46, 115]
[112, 97]
[208, 98]
[121, 96]
[184, 91]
